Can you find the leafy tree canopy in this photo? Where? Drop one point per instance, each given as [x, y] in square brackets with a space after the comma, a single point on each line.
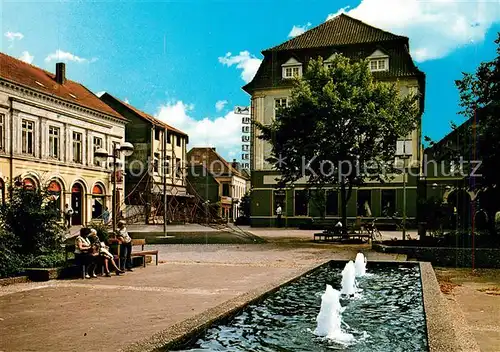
[339, 124]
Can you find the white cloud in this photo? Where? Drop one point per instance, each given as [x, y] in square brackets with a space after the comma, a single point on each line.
[222, 132]
[100, 94]
[60, 55]
[298, 30]
[126, 101]
[219, 105]
[11, 36]
[244, 61]
[435, 28]
[26, 57]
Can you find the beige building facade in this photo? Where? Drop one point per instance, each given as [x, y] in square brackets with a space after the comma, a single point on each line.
[49, 129]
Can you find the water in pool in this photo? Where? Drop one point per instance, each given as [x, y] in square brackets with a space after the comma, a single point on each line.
[380, 310]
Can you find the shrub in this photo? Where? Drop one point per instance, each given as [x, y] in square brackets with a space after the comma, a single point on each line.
[11, 262]
[33, 221]
[49, 260]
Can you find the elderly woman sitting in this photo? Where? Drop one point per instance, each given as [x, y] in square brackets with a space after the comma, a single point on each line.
[84, 253]
[103, 251]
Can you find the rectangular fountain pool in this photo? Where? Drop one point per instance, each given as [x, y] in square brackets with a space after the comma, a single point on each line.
[387, 315]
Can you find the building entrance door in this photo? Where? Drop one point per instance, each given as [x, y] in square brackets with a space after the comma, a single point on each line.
[76, 204]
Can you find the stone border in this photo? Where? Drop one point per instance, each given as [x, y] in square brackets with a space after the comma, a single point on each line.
[14, 280]
[444, 332]
[187, 331]
[446, 256]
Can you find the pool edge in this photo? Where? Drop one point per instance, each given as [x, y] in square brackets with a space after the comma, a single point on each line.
[444, 334]
[184, 332]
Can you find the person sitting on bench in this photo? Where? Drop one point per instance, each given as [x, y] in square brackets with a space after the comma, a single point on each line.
[104, 253]
[83, 253]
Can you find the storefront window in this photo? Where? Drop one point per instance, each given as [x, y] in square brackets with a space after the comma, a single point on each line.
[55, 191]
[98, 200]
[301, 202]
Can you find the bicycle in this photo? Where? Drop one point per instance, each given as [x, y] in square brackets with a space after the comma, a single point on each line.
[374, 231]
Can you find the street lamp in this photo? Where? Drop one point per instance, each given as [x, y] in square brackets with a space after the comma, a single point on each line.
[102, 155]
[403, 151]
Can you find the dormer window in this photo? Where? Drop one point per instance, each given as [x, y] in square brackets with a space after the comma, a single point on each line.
[379, 61]
[291, 69]
[329, 62]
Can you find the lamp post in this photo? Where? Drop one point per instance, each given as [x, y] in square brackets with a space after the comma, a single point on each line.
[101, 154]
[403, 151]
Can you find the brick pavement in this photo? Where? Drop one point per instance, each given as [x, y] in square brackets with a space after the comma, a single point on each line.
[106, 314]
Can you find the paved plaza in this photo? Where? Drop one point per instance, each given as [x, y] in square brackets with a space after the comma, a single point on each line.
[106, 314]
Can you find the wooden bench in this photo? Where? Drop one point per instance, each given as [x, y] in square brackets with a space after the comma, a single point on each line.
[141, 242]
[338, 235]
[328, 235]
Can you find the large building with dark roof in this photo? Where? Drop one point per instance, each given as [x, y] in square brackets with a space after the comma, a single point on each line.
[389, 60]
[159, 162]
[50, 127]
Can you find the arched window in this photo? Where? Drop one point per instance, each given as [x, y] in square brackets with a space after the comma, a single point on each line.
[77, 204]
[55, 191]
[98, 202]
[29, 183]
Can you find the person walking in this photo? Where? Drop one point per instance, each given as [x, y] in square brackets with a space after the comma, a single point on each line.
[125, 247]
[278, 215]
[68, 213]
[105, 216]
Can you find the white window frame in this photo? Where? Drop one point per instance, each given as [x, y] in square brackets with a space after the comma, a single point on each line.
[275, 107]
[54, 142]
[178, 168]
[378, 63]
[328, 62]
[24, 142]
[2, 132]
[73, 145]
[288, 71]
[288, 68]
[167, 165]
[95, 146]
[156, 163]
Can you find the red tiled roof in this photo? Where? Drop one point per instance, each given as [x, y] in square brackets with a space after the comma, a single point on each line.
[211, 156]
[22, 73]
[147, 117]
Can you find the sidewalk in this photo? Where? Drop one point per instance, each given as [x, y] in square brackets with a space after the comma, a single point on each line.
[107, 314]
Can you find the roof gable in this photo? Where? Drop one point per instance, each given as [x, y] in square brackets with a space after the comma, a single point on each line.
[378, 53]
[143, 115]
[22, 73]
[292, 62]
[208, 156]
[340, 30]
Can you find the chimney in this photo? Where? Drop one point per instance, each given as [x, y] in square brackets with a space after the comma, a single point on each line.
[235, 165]
[61, 72]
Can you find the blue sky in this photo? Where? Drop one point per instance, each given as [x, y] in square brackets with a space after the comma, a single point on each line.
[176, 60]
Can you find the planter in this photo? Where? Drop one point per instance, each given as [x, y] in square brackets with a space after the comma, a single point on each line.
[13, 280]
[446, 256]
[44, 274]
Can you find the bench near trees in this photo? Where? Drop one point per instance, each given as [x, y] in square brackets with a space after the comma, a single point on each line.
[70, 248]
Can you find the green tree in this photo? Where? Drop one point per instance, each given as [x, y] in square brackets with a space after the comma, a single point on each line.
[245, 205]
[33, 220]
[480, 100]
[478, 139]
[339, 120]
